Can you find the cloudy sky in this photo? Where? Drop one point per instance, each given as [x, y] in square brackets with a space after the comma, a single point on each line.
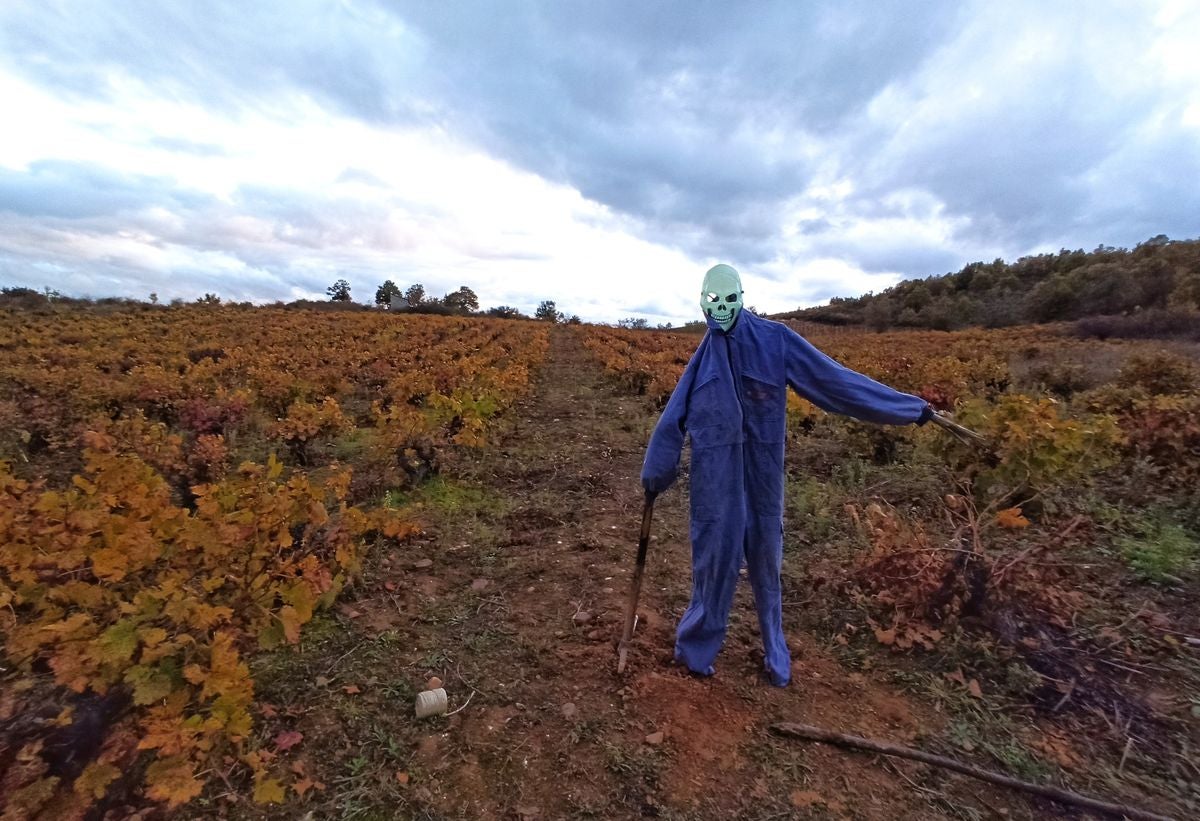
[599, 154]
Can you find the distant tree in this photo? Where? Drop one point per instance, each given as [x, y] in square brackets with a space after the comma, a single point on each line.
[574, 319]
[153, 298]
[385, 292]
[415, 294]
[463, 299]
[879, 314]
[1051, 300]
[339, 291]
[209, 299]
[917, 297]
[1186, 295]
[504, 312]
[635, 323]
[548, 311]
[18, 297]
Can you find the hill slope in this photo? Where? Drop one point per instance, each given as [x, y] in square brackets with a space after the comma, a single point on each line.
[1157, 274]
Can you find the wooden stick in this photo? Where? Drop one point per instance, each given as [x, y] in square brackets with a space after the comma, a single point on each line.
[635, 585]
[808, 733]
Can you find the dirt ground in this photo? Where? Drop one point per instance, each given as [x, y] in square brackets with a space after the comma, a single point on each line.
[513, 597]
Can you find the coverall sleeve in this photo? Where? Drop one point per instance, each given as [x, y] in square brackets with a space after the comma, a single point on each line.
[835, 388]
[661, 465]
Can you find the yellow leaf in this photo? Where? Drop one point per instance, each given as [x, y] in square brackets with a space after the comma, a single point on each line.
[195, 674]
[150, 684]
[300, 596]
[25, 802]
[172, 780]
[271, 636]
[290, 620]
[1011, 519]
[95, 778]
[118, 642]
[268, 791]
[109, 563]
[152, 636]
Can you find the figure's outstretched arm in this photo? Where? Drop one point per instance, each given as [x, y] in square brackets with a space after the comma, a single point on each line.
[835, 388]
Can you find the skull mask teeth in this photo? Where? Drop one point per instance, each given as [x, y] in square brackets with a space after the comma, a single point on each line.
[721, 296]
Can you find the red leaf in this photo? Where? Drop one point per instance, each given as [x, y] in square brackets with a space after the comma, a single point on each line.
[287, 740]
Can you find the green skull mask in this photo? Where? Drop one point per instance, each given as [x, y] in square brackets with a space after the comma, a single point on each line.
[721, 297]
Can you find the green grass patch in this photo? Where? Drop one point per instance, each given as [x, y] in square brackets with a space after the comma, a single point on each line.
[350, 446]
[811, 508]
[448, 497]
[1159, 550]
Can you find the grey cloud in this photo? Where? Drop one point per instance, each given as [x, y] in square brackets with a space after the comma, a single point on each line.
[657, 110]
[661, 110]
[54, 188]
[1020, 161]
[649, 308]
[1147, 188]
[898, 254]
[362, 176]
[181, 145]
[223, 53]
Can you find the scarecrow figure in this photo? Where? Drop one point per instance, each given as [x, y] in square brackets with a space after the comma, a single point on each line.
[732, 402]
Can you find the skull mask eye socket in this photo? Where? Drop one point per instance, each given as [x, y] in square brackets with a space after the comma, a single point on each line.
[731, 298]
[711, 297]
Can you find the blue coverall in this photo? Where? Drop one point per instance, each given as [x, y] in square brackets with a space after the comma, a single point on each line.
[732, 402]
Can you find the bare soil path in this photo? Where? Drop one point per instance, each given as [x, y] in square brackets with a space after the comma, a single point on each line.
[514, 597]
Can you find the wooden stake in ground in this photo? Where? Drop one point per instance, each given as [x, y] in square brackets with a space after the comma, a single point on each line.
[635, 586]
[808, 733]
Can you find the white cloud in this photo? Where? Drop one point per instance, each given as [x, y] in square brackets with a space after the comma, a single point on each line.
[438, 210]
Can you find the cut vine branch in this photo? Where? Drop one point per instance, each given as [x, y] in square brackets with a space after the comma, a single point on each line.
[809, 733]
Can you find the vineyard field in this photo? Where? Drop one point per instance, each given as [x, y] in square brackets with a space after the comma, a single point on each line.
[183, 487]
[235, 543]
